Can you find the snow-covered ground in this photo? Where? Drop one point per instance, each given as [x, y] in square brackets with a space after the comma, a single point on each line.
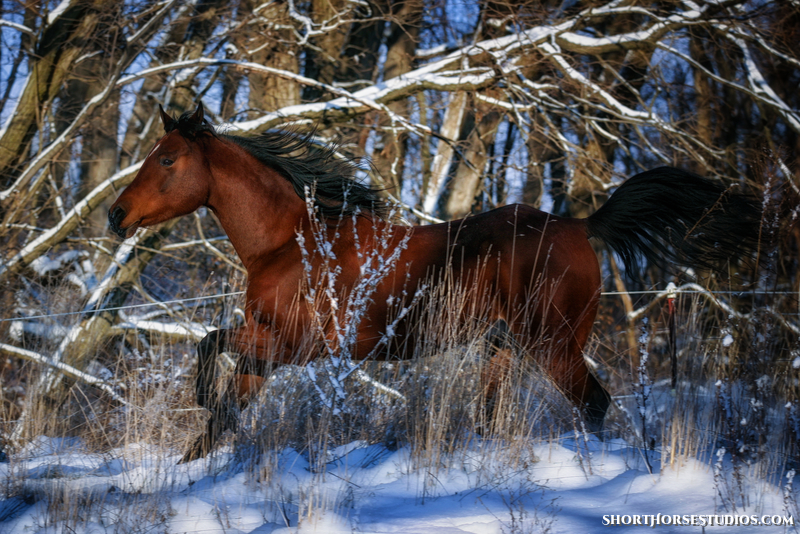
[561, 485]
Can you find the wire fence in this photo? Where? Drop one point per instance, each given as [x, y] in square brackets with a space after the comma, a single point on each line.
[128, 307]
[237, 293]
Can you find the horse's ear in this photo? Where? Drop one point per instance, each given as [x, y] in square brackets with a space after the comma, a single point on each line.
[199, 114]
[166, 118]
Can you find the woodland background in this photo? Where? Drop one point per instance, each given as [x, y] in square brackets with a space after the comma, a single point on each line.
[460, 106]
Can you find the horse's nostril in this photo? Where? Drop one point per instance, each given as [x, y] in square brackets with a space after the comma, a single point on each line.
[115, 217]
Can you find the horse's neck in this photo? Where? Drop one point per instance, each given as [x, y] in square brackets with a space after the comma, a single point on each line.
[256, 207]
[261, 213]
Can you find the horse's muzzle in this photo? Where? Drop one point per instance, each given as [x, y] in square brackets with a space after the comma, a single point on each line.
[115, 217]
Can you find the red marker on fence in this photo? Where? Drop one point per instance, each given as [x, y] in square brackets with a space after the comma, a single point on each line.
[673, 349]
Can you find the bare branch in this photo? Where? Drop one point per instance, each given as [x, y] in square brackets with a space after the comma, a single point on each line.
[71, 220]
[19, 27]
[67, 370]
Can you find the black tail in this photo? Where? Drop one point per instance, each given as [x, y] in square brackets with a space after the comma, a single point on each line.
[668, 215]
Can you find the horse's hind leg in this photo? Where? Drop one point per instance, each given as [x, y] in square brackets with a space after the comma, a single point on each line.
[493, 375]
[564, 364]
[558, 347]
[592, 397]
[500, 364]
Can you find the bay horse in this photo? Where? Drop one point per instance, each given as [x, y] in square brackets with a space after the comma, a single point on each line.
[258, 188]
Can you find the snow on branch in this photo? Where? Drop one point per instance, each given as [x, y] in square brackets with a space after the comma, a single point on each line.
[19, 27]
[337, 323]
[71, 220]
[451, 74]
[67, 370]
[176, 331]
[345, 104]
[615, 107]
[584, 44]
[692, 288]
[761, 88]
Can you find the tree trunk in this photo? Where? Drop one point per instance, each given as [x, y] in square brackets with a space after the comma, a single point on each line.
[268, 92]
[468, 179]
[401, 45]
[440, 168]
[323, 59]
[61, 43]
[541, 151]
[143, 127]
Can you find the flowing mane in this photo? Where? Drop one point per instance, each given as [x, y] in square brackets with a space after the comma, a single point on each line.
[305, 164]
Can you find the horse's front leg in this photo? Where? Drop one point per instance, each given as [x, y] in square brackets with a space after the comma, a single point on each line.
[208, 349]
[256, 362]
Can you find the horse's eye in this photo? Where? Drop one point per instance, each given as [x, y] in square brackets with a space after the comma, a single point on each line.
[166, 162]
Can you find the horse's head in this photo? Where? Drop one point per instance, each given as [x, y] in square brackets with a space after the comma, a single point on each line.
[173, 180]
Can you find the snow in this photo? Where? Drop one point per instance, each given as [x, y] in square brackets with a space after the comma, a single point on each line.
[727, 341]
[58, 11]
[43, 265]
[369, 488]
[19, 329]
[184, 330]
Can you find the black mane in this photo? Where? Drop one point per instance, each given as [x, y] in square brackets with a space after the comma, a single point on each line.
[305, 164]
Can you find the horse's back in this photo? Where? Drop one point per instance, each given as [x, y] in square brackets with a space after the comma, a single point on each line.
[521, 241]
